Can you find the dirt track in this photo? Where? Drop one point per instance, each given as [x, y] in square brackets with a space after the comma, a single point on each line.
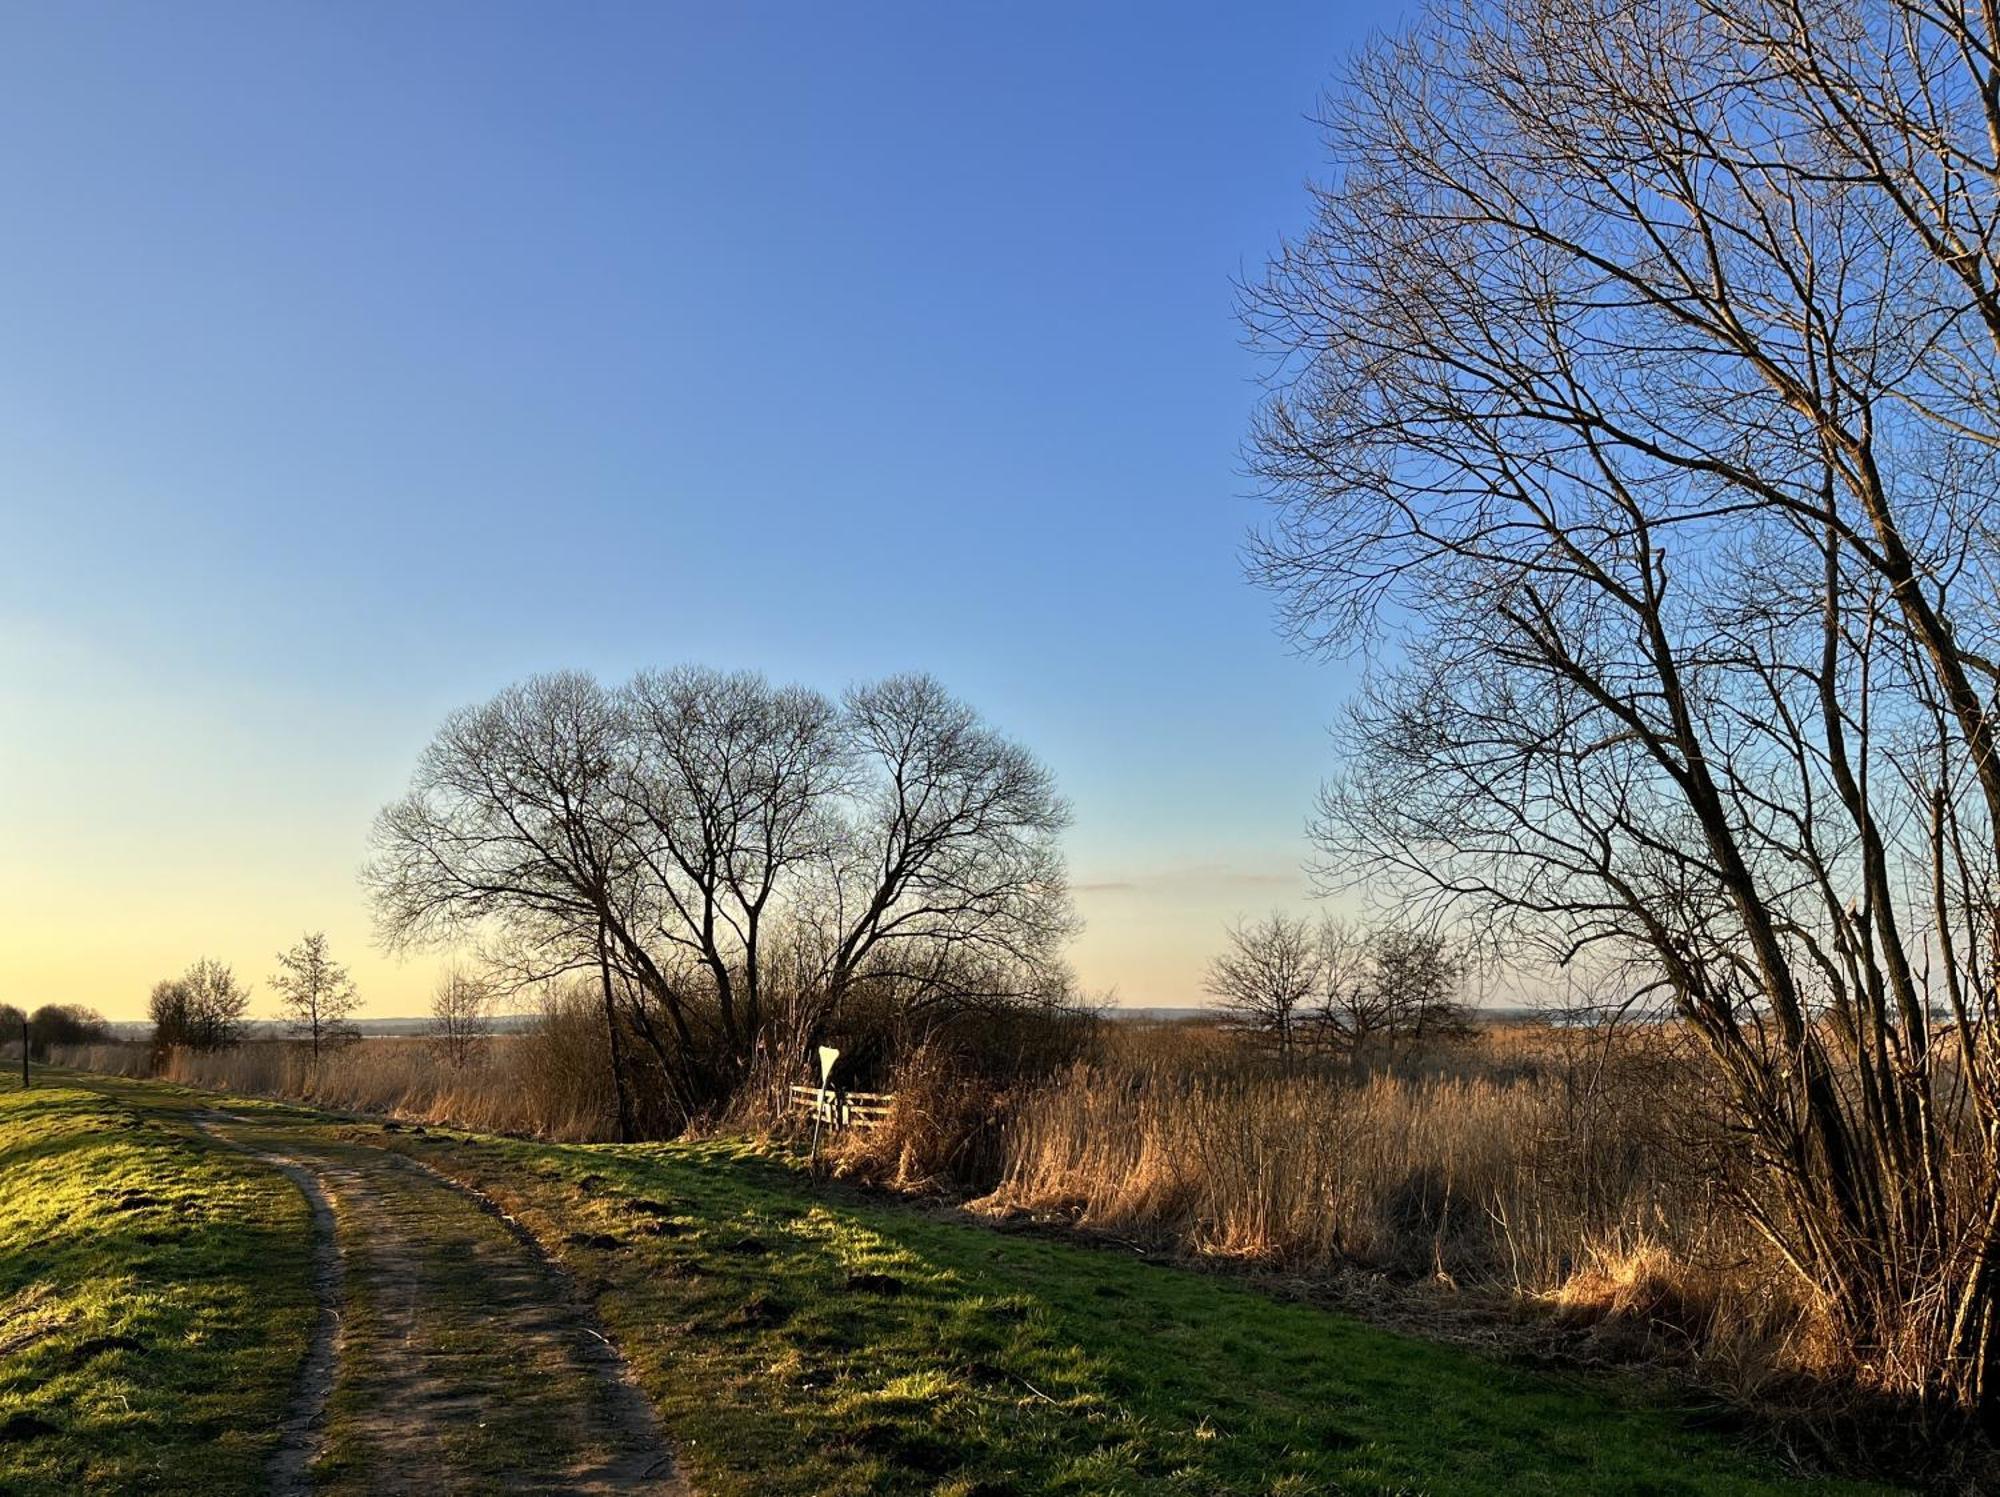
[451, 1355]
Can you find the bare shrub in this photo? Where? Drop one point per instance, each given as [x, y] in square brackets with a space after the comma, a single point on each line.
[945, 1129]
[563, 1068]
[461, 1019]
[202, 1009]
[956, 1087]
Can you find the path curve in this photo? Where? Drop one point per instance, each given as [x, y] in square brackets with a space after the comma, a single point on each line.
[442, 1319]
[305, 1418]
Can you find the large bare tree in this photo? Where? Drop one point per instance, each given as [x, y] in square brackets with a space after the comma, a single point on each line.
[732, 861]
[1638, 408]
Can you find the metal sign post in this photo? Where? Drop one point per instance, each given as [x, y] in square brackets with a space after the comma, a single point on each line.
[827, 1056]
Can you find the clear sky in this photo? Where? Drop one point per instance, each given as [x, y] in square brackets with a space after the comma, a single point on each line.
[356, 359]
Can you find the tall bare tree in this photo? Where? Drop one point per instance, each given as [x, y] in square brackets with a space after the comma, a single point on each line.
[1639, 407]
[730, 790]
[316, 994]
[732, 861]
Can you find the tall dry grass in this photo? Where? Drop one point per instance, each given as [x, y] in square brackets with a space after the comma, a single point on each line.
[1572, 1169]
[1465, 1176]
[511, 1089]
[549, 1081]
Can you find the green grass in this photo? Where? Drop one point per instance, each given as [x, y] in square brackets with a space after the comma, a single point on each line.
[802, 1339]
[1005, 1363]
[154, 1299]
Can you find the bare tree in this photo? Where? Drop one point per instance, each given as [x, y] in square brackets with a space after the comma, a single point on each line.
[316, 993]
[461, 1018]
[170, 1009]
[731, 788]
[1413, 986]
[732, 862]
[202, 1009]
[944, 879]
[1381, 988]
[1272, 970]
[1638, 396]
[1327, 984]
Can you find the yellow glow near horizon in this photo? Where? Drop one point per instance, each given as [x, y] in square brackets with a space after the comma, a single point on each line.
[141, 828]
[104, 940]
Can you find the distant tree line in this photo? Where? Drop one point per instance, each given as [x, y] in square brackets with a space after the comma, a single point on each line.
[52, 1025]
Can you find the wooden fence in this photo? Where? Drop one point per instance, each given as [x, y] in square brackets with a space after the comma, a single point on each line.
[839, 1109]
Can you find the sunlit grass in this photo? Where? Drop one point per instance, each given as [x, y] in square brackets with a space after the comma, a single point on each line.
[803, 1339]
[154, 1300]
[800, 1338]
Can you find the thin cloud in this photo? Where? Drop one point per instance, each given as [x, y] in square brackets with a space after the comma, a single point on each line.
[1195, 879]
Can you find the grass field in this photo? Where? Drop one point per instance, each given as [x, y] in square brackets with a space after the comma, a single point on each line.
[154, 1299]
[796, 1339]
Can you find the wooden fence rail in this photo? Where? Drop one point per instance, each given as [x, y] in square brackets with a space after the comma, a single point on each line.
[838, 1109]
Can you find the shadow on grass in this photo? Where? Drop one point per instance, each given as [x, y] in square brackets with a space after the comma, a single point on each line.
[805, 1340]
[800, 1339]
[167, 1302]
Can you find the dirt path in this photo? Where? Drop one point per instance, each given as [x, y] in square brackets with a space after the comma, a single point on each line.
[452, 1355]
[299, 1439]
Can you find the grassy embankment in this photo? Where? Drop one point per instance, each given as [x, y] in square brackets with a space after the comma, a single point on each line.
[799, 1339]
[154, 1299]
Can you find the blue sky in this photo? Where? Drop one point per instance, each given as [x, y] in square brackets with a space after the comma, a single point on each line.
[358, 359]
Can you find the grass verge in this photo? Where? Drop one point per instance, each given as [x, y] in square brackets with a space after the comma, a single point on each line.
[801, 1339]
[154, 1299]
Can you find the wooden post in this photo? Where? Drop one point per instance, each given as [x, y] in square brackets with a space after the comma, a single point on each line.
[24, 1052]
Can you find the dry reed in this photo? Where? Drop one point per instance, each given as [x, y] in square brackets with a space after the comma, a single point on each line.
[550, 1081]
[1569, 1170]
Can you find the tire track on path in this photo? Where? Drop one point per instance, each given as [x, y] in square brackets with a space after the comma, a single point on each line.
[451, 1354]
[304, 1427]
